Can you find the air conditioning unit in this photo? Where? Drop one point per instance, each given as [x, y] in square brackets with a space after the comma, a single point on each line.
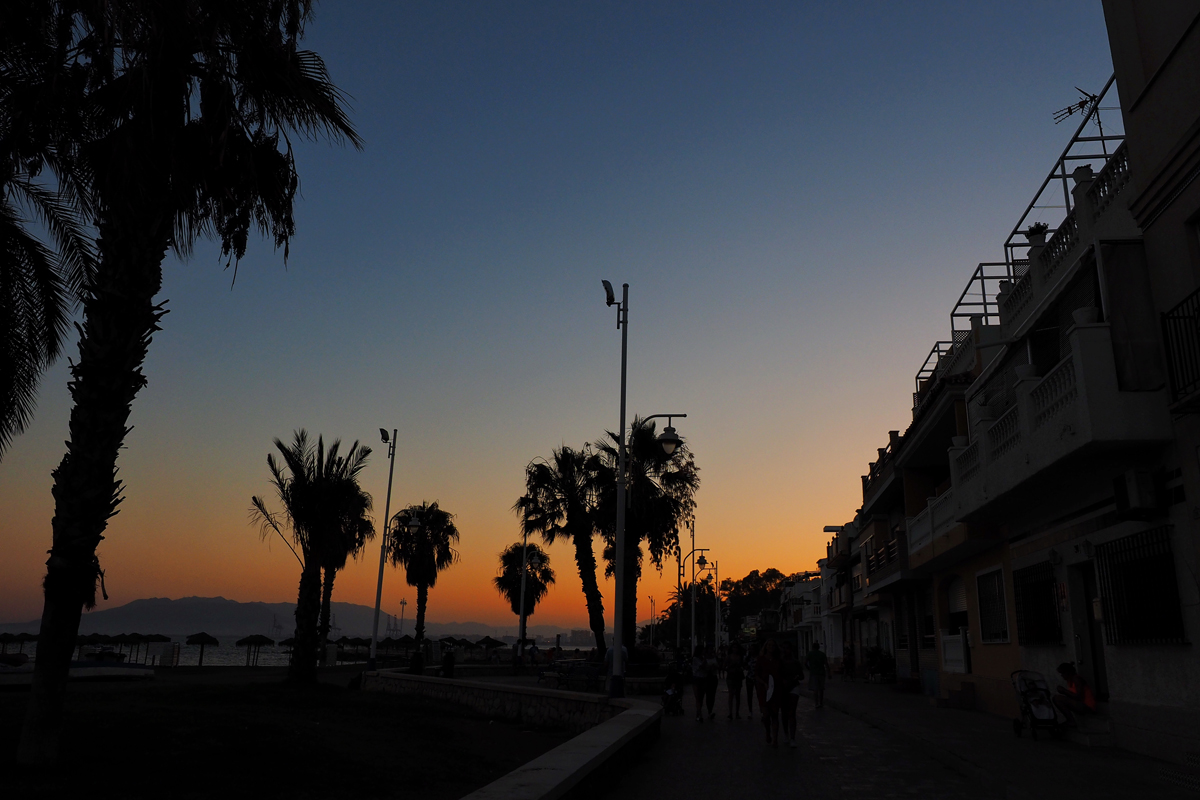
[1136, 494]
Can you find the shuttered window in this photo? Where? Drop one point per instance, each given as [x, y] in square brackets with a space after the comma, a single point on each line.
[1140, 596]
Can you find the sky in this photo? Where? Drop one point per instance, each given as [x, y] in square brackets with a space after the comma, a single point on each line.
[796, 193]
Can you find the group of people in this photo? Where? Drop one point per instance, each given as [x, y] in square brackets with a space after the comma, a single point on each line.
[769, 671]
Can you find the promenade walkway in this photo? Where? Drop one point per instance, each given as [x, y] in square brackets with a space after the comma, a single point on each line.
[872, 742]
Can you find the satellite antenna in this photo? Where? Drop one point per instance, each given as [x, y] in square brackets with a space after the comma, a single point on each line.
[1087, 101]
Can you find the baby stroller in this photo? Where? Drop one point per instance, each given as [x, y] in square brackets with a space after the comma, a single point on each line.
[1036, 703]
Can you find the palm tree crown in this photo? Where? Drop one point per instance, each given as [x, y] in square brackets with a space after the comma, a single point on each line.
[537, 579]
[424, 549]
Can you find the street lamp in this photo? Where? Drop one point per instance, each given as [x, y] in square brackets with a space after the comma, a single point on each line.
[387, 507]
[669, 441]
[403, 605]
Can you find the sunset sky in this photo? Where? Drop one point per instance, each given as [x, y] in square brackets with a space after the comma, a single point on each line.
[796, 193]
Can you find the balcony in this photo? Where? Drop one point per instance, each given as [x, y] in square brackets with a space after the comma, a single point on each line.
[935, 532]
[1075, 409]
[882, 472]
[838, 551]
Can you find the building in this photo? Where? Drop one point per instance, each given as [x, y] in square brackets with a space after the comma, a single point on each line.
[1041, 506]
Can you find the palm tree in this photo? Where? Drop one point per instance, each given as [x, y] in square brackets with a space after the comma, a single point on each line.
[559, 503]
[424, 548]
[537, 579]
[39, 285]
[182, 113]
[661, 496]
[324, 509]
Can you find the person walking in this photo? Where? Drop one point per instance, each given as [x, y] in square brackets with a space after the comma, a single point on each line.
[699, 680]
[748, 671]
[767, 682]
[733, 679]
[790, 675]
[818, 670]
[712, 679]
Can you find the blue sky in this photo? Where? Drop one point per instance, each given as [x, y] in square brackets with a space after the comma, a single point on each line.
[796, 192]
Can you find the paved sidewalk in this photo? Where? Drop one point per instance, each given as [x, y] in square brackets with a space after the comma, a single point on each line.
[838, 758]
[872, 742]
[983, 746]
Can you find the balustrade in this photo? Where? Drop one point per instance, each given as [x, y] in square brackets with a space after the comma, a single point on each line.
[1004, 434]
[1056, 392]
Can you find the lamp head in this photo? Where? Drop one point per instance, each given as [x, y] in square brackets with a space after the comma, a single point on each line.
[701, 561]
[609, 297]
[669, 440]
[413, 524]
[535, 560]
[383, 435]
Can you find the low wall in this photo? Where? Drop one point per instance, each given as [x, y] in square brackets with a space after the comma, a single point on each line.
[543, 708]
[609, 731]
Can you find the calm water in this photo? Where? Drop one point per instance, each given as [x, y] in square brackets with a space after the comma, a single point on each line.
[225, 655]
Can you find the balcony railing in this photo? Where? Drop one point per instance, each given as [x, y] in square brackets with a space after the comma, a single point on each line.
[968, 461]
[1004, 434]
[1061, 245]
[1181, 332]
[1055, 393]
[1111, 180]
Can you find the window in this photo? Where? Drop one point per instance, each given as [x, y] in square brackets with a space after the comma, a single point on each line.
[993, 616]
[1035, 591]
[1139, 595]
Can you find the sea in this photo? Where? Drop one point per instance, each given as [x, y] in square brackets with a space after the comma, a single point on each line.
[223, 655]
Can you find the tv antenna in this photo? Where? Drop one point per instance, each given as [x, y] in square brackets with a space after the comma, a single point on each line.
[1087, 101]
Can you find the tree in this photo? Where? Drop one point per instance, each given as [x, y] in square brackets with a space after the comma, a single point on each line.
[537, 579]
[748, 596]
[424, 550]
[40, 285]
[324, 509]
[661, 496]
[559, 503]
[181, 115]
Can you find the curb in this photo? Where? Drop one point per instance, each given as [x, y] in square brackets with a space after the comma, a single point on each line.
[943, 755]
[555, 774]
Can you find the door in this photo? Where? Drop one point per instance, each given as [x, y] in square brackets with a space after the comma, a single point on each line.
[1087, 626]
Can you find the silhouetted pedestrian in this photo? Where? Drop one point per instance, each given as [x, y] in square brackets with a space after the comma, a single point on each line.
[767, 681]
[818, 670]
[712, 680]
[748, 670]
[790, 674]
[733, 679]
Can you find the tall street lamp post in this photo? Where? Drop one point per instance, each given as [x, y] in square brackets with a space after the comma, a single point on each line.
[669, 441]
[717, 594]
[387, 507]
[403, 605]
[700, 562]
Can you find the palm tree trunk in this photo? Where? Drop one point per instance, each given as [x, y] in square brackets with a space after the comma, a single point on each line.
[120, 318]
[585, 561]
[303, 669]
[422, 600]
[326, 603]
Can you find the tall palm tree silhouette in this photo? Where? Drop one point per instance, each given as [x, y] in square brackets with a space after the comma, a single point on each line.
[324, 514]
[661, 496]
[559, 503]
[537, 579]
[183, 113]
[424, 552]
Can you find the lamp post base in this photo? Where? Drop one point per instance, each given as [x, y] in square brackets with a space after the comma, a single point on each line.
[370, 665]
[616, 686]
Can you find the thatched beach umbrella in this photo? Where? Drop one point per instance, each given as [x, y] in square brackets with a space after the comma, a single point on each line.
[254, 643]
[405, 642]
[5, 638]
[22, 638]
[489, 643]
[202, 639]
[288, 642]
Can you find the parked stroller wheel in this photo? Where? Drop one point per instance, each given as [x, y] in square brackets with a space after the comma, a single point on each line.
[1017, 726]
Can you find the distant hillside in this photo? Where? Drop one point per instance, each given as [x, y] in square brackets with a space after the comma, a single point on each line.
[221, 617]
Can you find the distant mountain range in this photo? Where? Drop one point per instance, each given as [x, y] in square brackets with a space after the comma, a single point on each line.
[221, 617]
